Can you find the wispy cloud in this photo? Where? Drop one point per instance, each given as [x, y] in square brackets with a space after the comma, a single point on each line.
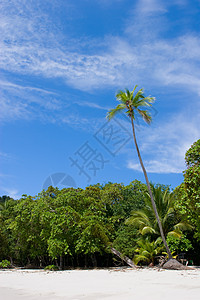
[13, 193]
[8, 84]
[4, 155]
[25, 102]
[28, 49]
[148, 7]
[35, 47]
[154, 166]
[163, 147]
[92, 105]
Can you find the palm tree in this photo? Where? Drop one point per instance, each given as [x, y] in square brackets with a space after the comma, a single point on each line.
[145, 220]
[135, 104]
[147, 250]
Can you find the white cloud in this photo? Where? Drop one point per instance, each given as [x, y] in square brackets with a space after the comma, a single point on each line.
[8, 84]
[33, 103]
[92, 105]
[155, 7]
[10, 110]
[163, 147]
[33, 46]
[157, 167]
[166, 62]
[11, 192]
[25, 102]
[4, 155]
[146, 7]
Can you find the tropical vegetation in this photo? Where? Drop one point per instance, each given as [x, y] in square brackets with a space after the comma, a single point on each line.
[76, 227]
[71, 227]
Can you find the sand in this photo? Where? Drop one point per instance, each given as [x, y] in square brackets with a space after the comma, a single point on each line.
[100, 284]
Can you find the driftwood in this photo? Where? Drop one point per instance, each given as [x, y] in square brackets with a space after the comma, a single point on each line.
[127, 260]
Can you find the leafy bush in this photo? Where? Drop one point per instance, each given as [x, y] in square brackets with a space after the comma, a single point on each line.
[5, 264]
[178, 245]
[51, 268]
[126, 240]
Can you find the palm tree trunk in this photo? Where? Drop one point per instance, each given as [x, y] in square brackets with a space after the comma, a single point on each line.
[150, 193]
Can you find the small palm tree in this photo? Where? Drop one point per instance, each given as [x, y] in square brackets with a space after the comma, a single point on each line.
[135, 104]
[147, 250]
[145, 220]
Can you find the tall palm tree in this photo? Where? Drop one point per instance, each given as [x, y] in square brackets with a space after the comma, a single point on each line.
[133, 104]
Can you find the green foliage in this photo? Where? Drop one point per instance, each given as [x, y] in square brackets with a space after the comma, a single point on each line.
[145, 219]
[134, 196]
[78, 226]
[188, 193]
[126, 240]
[133, 103]
[94, 237]
[4, 264]
[51, 268]
[62, 232]
[192, 156]
[4, 198]
[147, 250]
[178, 245]
[3, 241]
[25, 226]
[120, 200]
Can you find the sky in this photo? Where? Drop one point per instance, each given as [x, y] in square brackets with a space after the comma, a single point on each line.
[61, 64]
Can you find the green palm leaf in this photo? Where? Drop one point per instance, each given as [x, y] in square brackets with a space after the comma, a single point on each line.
[120, 107]
[145, 220]
[132, 103]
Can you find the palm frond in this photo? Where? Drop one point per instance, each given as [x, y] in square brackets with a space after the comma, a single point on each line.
[147, 229]
[121, 96]
[183, 226]
[138, 218]
[137, 222]
[168, 214]
[148, 250]
[158, 241]
[128, 93]
[149, 100]
[119, 108]
[145, 115]
[175, 234]
[138, 258]
[142, 101]
[135, 87]
[145, 221]
[133, 103]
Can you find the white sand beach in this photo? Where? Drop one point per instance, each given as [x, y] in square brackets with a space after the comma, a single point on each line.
[100, 284]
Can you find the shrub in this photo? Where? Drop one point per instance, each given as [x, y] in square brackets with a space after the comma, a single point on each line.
[5, 264]
[178, 245]
[51, 268]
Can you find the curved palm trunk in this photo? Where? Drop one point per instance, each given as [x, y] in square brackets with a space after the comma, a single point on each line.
[150, 192]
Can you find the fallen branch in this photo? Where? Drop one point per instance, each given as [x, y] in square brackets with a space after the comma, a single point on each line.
[127, 260]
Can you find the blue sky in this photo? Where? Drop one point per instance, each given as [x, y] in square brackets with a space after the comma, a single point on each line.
[62, 63]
